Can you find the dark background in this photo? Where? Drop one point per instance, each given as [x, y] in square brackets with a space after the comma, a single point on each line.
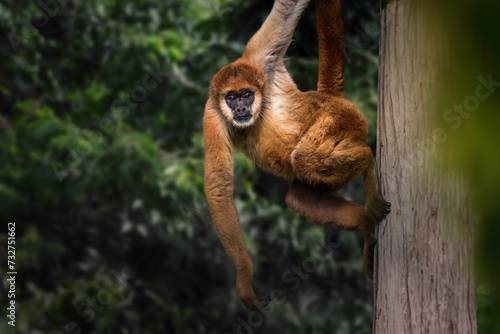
[102, 173]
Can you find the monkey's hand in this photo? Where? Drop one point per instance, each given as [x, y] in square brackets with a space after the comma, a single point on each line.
[255, 303]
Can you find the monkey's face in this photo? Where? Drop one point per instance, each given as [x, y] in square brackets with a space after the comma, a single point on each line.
[239, 88]
[240, 104]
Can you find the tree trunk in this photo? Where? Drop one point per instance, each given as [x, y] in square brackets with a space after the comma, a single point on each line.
[424, 277]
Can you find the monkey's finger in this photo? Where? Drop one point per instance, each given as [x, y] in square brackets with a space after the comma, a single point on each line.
[264, 302]
[257, 303]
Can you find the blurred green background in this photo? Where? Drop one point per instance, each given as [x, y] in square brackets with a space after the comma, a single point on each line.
[101, 162]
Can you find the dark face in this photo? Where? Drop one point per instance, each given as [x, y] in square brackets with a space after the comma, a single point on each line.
[241, 104]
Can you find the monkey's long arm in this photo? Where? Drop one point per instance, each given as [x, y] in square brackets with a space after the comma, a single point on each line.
[219, 170]
[268, 46]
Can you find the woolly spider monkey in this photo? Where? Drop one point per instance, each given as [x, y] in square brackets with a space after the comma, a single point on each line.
[316, 139]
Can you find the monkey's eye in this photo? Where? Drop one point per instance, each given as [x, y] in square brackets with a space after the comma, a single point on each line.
[247, 95]
[231, 97]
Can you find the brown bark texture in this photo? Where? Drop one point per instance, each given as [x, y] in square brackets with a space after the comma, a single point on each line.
[424, 278]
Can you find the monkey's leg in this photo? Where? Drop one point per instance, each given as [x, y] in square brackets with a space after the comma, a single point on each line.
[331, 47]
[319, 206]
[377, 206]
[321, 161]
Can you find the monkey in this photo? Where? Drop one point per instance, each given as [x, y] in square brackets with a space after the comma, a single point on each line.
[317, 140]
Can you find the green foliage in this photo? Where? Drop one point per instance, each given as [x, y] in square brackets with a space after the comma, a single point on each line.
[473, 137]
[101, 162]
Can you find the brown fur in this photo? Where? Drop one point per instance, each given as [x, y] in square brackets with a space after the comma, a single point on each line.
[317, 140]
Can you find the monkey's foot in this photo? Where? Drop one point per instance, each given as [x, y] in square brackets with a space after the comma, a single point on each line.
[378, 209]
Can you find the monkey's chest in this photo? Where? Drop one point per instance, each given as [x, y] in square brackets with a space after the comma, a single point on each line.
[270, 153]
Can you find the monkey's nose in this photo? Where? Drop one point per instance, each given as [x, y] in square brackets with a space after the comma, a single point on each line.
[242, 114]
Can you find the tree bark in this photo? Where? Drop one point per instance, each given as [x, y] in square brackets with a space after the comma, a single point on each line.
[424, 277]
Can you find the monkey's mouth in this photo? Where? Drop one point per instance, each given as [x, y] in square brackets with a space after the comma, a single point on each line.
[243, 118]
